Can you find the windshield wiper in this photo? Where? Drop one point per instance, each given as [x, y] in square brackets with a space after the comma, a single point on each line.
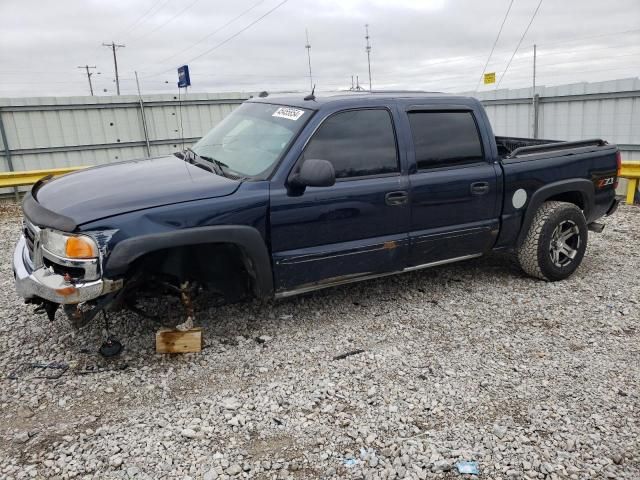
[213, 160]
[216, 165]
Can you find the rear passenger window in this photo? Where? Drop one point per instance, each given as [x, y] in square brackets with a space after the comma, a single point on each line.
[358, 143]
[445, 138]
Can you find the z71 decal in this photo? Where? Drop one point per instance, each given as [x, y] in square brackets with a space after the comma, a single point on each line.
[605, 182]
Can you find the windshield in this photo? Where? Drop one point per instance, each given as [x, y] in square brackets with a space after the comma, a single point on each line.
[252, 138]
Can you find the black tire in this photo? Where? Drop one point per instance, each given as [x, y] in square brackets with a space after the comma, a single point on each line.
[555, 243]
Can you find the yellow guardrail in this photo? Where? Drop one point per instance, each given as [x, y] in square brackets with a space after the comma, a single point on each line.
[631, 171]
[29, 177]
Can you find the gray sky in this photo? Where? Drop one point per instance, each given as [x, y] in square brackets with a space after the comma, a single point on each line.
[416, 44]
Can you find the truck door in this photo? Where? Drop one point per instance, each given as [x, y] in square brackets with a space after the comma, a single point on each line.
[454, 187]
[356, 228]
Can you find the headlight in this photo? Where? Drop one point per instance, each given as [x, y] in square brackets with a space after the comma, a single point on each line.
[68, 245]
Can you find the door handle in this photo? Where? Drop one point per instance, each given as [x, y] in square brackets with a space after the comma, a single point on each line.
[396, 198]
[479, 188]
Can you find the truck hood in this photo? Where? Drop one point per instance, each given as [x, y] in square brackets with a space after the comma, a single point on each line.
[118, 188]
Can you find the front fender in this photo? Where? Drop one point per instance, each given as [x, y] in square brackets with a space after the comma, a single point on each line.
[248, 239]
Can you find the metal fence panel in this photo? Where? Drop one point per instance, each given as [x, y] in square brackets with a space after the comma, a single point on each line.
[608, 110]
[45, 133]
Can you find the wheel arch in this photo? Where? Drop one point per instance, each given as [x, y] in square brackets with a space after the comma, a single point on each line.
[248, 240]
[578, 191]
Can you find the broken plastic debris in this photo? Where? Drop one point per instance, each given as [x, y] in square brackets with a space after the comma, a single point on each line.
[350, 462]
[468, 467]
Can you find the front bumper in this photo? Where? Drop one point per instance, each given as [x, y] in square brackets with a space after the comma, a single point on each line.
[44, 283]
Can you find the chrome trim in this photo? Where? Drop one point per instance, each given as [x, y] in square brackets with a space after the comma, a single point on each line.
[43, 283]
[34, 255]
[430, 237]
[314, 257]
[365, 276]
[311, 288]
[441, 262]
[90, 265]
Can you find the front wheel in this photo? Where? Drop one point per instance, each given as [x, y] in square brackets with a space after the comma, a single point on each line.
[555, 243]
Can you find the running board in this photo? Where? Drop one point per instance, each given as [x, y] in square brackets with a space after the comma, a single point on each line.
[596, 227]
[363, 277]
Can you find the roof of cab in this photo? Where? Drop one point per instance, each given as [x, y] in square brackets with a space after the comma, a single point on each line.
[346, 99]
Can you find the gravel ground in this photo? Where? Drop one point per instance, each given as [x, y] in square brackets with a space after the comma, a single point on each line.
[472, 361]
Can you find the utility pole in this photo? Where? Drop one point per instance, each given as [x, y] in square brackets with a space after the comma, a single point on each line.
[113, 47]
[368, 52]
[87, 67]
[308, 47]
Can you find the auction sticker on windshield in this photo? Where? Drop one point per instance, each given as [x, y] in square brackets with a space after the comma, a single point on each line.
[288, 113]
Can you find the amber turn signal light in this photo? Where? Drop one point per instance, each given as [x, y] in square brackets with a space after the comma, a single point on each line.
[78, 247]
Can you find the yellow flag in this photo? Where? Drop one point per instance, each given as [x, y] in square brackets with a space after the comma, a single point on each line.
[489, 78]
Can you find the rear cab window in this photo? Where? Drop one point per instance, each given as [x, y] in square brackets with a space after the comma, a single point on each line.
[445, 138]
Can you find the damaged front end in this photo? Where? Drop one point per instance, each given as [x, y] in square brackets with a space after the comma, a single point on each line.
[53, 268]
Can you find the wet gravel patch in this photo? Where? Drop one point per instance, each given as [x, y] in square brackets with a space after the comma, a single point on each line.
[401, 377]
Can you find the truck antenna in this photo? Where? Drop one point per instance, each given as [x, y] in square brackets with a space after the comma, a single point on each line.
[311, 96]
[308, 47]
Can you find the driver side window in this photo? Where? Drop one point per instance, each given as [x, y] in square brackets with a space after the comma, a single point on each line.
[358, 143]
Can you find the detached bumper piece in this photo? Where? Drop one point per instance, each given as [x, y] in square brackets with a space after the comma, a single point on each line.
[33, 283]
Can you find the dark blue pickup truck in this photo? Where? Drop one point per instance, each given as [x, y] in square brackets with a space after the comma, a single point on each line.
[288, 195]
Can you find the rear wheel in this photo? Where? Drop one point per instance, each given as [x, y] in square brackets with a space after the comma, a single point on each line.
[555, 243]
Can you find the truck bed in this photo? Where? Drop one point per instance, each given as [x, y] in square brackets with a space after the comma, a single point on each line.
[515, 149]
[506, 145]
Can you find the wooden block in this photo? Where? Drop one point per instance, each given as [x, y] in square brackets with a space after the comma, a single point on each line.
[176, 341]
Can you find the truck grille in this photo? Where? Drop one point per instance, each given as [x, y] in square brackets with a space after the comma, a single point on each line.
[30, 237]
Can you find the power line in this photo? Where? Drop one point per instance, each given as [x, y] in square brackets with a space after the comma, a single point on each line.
[384, 75]
[171, 19]
[144, 15]
[431, 63]
[484, 69]
[214, 32]
[228, 39]
[519, 42]
[577, 39]
[525, 76]
[466, 58]
[36, 72]
[583, 50]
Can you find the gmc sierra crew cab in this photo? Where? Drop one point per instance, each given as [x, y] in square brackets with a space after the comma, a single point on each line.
[289, 195]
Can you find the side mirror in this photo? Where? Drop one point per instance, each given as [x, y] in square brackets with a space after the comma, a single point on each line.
[314, 173]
